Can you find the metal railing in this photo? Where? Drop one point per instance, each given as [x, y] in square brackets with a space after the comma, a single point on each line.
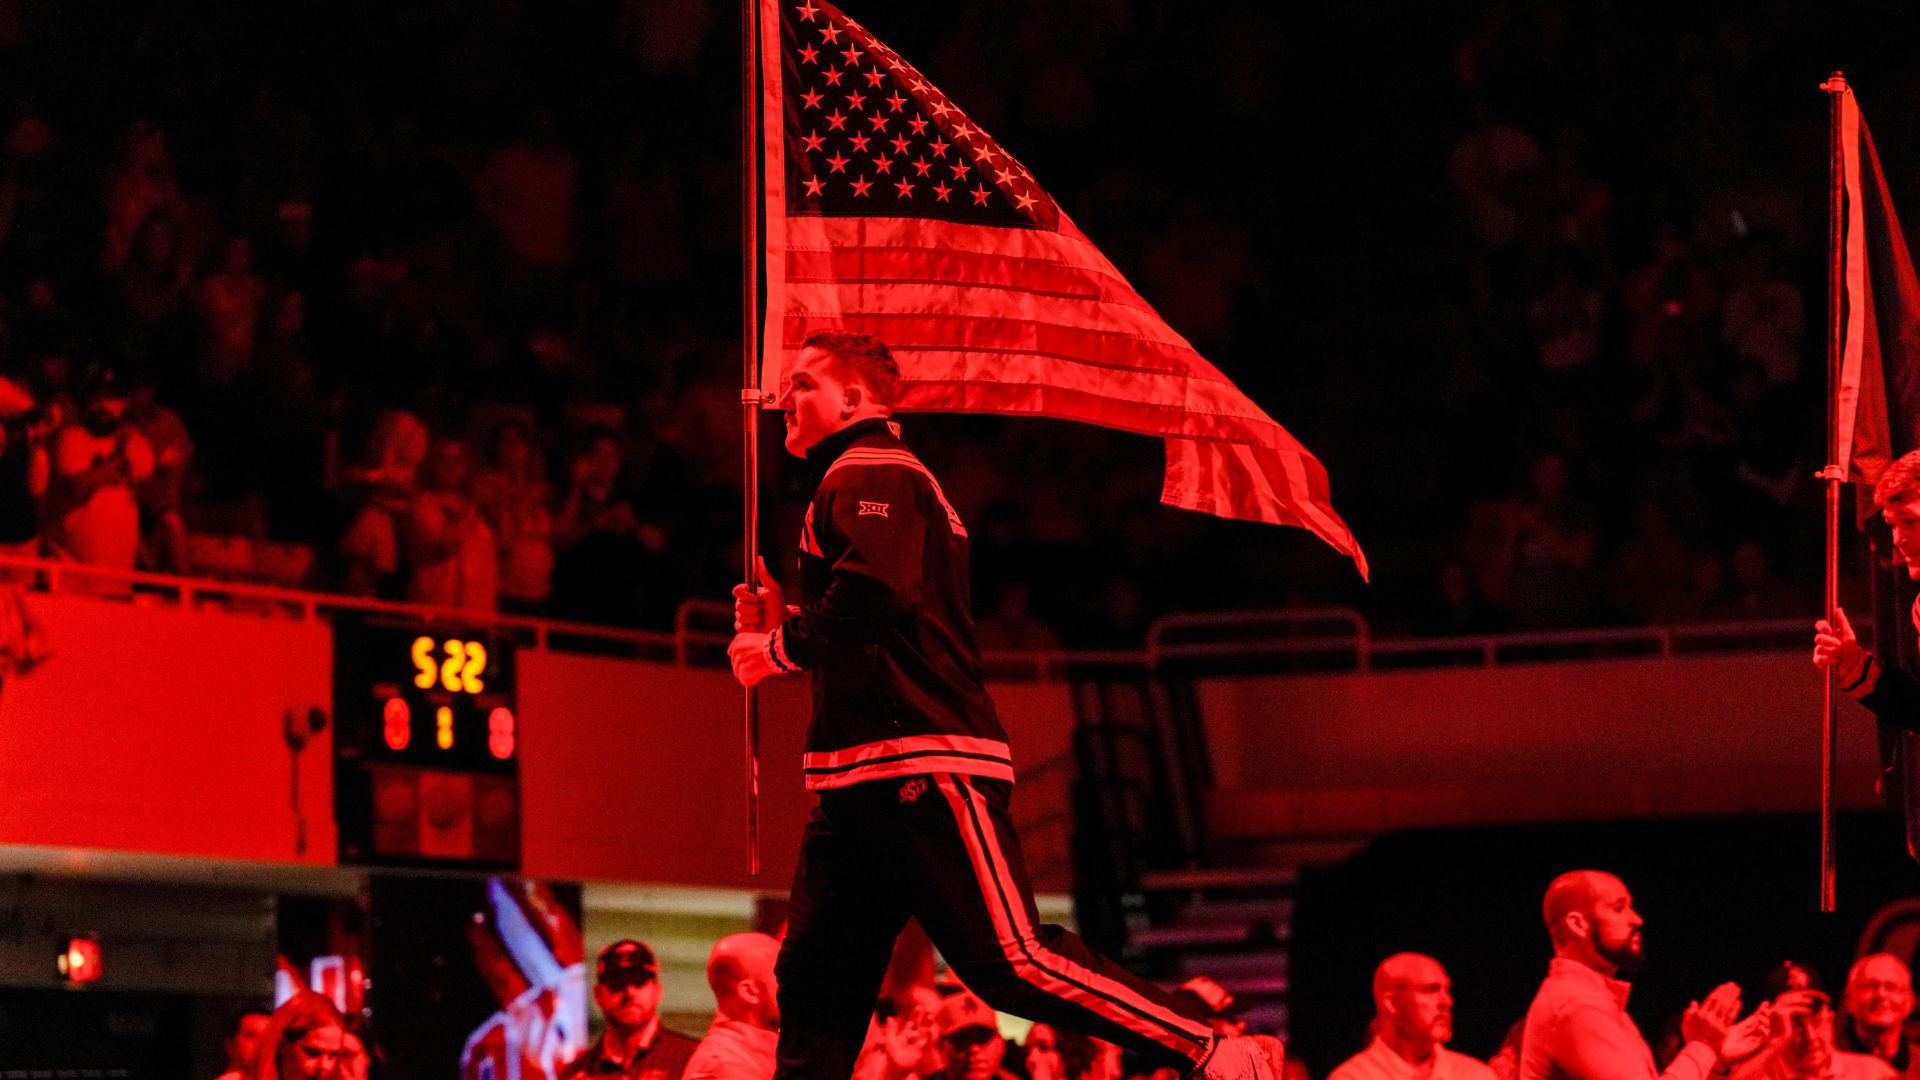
[1335, 639]
[191, 593]
[1328, 639]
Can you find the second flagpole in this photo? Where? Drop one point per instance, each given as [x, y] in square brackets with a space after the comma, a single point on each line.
[752, 397]
[1834, 475]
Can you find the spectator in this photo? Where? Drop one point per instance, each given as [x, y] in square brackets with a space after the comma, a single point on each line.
[450, 554]
[354, 1058]
[598, 552]
[740, 1044]
[1505, 1061]
[303, 1040]
[23, 644]
[1577, 1027]
[1485, 545]
[902, 1043]
[231, 300]
[1878, 1000]
[1672, 287]
[528, 192]
[1083, 1057]
[243, 1041]
[627, 990]
[140, 184]
[903, 1047]
[97, 461]
[1489, 166]
[290, 255]
[1802, 1044]
[1412, 1023]
[1765, 318]
[286, 372]
[514, 497]
[1773, 484]
[1549, 543]
[1580, 203]
[370, 549]
[24, 196]
[1651, 566]
[971, 1036]
[156, 292]
[1041, 1060]
[1565, 317]
[1455, 607]
[24, 474]
[163, 531]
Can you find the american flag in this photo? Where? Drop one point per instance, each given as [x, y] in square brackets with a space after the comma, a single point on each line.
[890, 213]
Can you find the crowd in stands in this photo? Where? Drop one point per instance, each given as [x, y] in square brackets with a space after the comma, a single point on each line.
[927, 1025]
[462, 329]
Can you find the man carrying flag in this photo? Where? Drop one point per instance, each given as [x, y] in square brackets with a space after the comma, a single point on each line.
[909, 759]
[911, 263]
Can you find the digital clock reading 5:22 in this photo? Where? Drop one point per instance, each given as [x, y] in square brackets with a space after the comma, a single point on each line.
[457, 666]
[433, 696]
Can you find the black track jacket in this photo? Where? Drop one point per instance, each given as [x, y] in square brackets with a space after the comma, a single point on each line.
[883, 623]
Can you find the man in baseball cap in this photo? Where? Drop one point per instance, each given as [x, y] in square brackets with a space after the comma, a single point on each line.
[970, 1034]
[626, 986]
[1802, 1045]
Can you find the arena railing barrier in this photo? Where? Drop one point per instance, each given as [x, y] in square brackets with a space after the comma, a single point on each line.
[1278, 640]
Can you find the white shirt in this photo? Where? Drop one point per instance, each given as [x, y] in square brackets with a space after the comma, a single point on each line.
[733, 1050]
[1379, 1062]
[1578, 1029]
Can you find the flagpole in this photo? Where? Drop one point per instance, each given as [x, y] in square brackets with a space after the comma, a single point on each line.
[1836, 87]
[750, 392]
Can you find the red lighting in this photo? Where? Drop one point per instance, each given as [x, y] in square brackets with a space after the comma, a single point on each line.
[500, 733]
[79, 962]
[399, 723]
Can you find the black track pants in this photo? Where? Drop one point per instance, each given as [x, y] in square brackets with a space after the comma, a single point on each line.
[941, 849]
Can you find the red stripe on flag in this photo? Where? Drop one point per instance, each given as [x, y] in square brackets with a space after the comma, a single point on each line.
[1064, 245]
[984, 335]
[945, 266]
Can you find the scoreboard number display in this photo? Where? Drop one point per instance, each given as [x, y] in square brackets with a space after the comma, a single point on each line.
[427, 748]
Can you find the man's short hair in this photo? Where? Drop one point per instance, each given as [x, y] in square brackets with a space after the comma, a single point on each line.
[1900, 483]
[866, 359]
[239, 1017]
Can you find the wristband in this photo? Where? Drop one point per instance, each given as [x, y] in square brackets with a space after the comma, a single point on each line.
[1866, 669]
[778, 654]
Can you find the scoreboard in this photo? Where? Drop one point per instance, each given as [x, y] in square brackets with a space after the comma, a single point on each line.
[426, 747]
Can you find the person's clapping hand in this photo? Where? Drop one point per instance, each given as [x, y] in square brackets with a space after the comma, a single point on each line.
[906, 1040]
[1746, 1038]
[1709, 1021]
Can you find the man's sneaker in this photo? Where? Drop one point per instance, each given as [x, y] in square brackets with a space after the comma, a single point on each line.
[1245, 1057]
